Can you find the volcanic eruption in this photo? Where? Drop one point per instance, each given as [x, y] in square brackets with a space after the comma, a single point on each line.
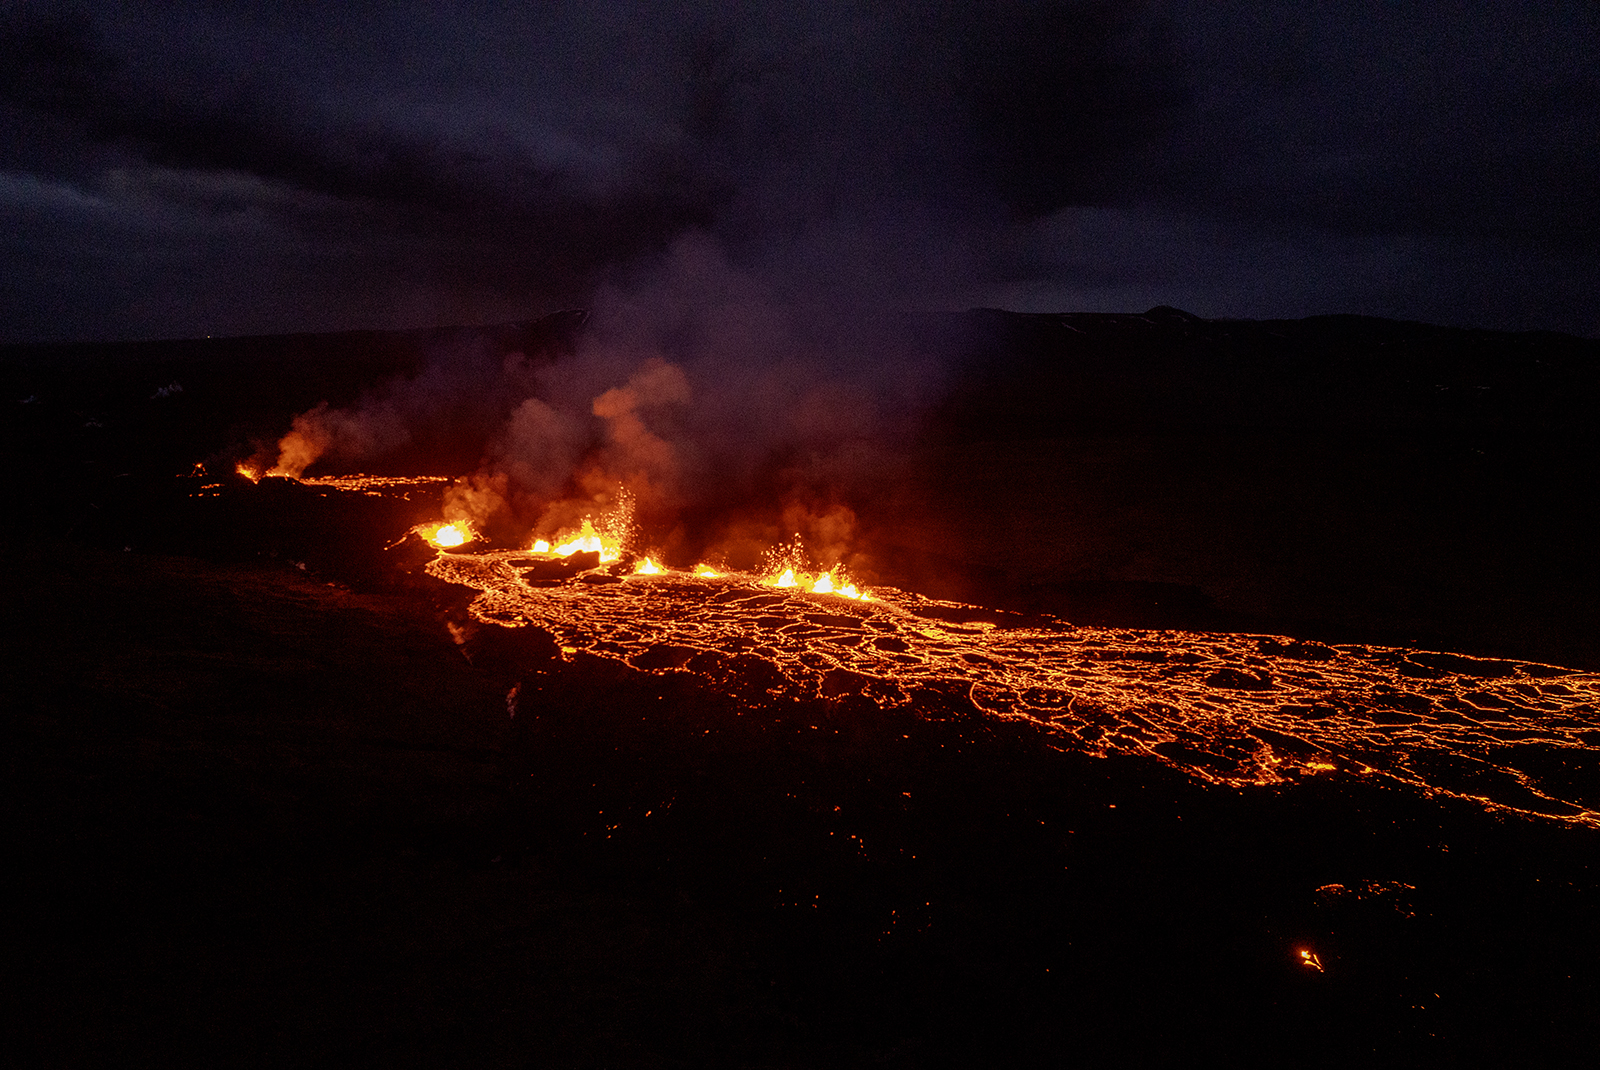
[729, 678]
[1239, 710]
[621, 537]
[811, 646]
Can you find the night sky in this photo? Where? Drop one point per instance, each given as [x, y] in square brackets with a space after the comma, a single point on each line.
[187, 169]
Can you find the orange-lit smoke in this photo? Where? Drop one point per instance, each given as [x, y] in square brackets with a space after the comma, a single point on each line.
[733, 416]
[300, 448]
[552, 470]
[636, 454]
[349, 433]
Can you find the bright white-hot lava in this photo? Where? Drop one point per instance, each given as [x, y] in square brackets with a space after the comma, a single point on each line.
[609, 535]
[786, 568]
[818, 583]
[587, 541]
[446, 535]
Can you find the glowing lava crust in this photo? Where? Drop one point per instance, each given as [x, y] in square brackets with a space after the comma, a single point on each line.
[1229, 709]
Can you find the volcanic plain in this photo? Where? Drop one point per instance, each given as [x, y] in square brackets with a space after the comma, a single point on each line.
[1223, 687]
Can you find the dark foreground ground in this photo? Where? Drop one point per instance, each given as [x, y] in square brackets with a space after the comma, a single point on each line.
[253, 819]
[263, 815]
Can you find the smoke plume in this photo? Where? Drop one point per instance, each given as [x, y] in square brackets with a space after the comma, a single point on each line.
[732, 408]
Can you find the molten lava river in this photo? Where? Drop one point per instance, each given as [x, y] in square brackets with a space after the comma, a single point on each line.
[1230, 709]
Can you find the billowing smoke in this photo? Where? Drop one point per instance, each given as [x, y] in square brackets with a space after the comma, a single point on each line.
[351, 434]
[732, 416]
[634, 454]
[464, 388]
[750, 376]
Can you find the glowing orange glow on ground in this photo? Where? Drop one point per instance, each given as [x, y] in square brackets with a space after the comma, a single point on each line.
[1225, 708]
[402, 487]
[249, 472]
[1229, 709]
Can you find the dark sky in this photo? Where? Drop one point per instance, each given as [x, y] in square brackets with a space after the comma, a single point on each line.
[182, 169]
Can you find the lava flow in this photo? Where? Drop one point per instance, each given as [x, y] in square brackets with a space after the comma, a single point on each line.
[1225, 708]
[1229, 709]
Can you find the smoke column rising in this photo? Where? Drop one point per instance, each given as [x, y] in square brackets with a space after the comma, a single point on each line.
[735, 410]
[748, 378]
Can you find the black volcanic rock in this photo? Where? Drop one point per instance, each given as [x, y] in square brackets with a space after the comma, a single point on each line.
[1340, 478]
[561, 569]
[256, 814]
[1240, 679]
[1166, 315]
[265, 809]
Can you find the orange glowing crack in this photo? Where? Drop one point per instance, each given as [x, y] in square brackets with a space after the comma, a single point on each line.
[1229, 709]
[372, 486]
[1237, 710]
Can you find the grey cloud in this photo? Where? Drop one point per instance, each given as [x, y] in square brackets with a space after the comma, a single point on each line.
[430, 161]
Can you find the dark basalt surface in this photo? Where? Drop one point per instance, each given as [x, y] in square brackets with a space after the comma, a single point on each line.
[1337, 477]
[260, 809]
